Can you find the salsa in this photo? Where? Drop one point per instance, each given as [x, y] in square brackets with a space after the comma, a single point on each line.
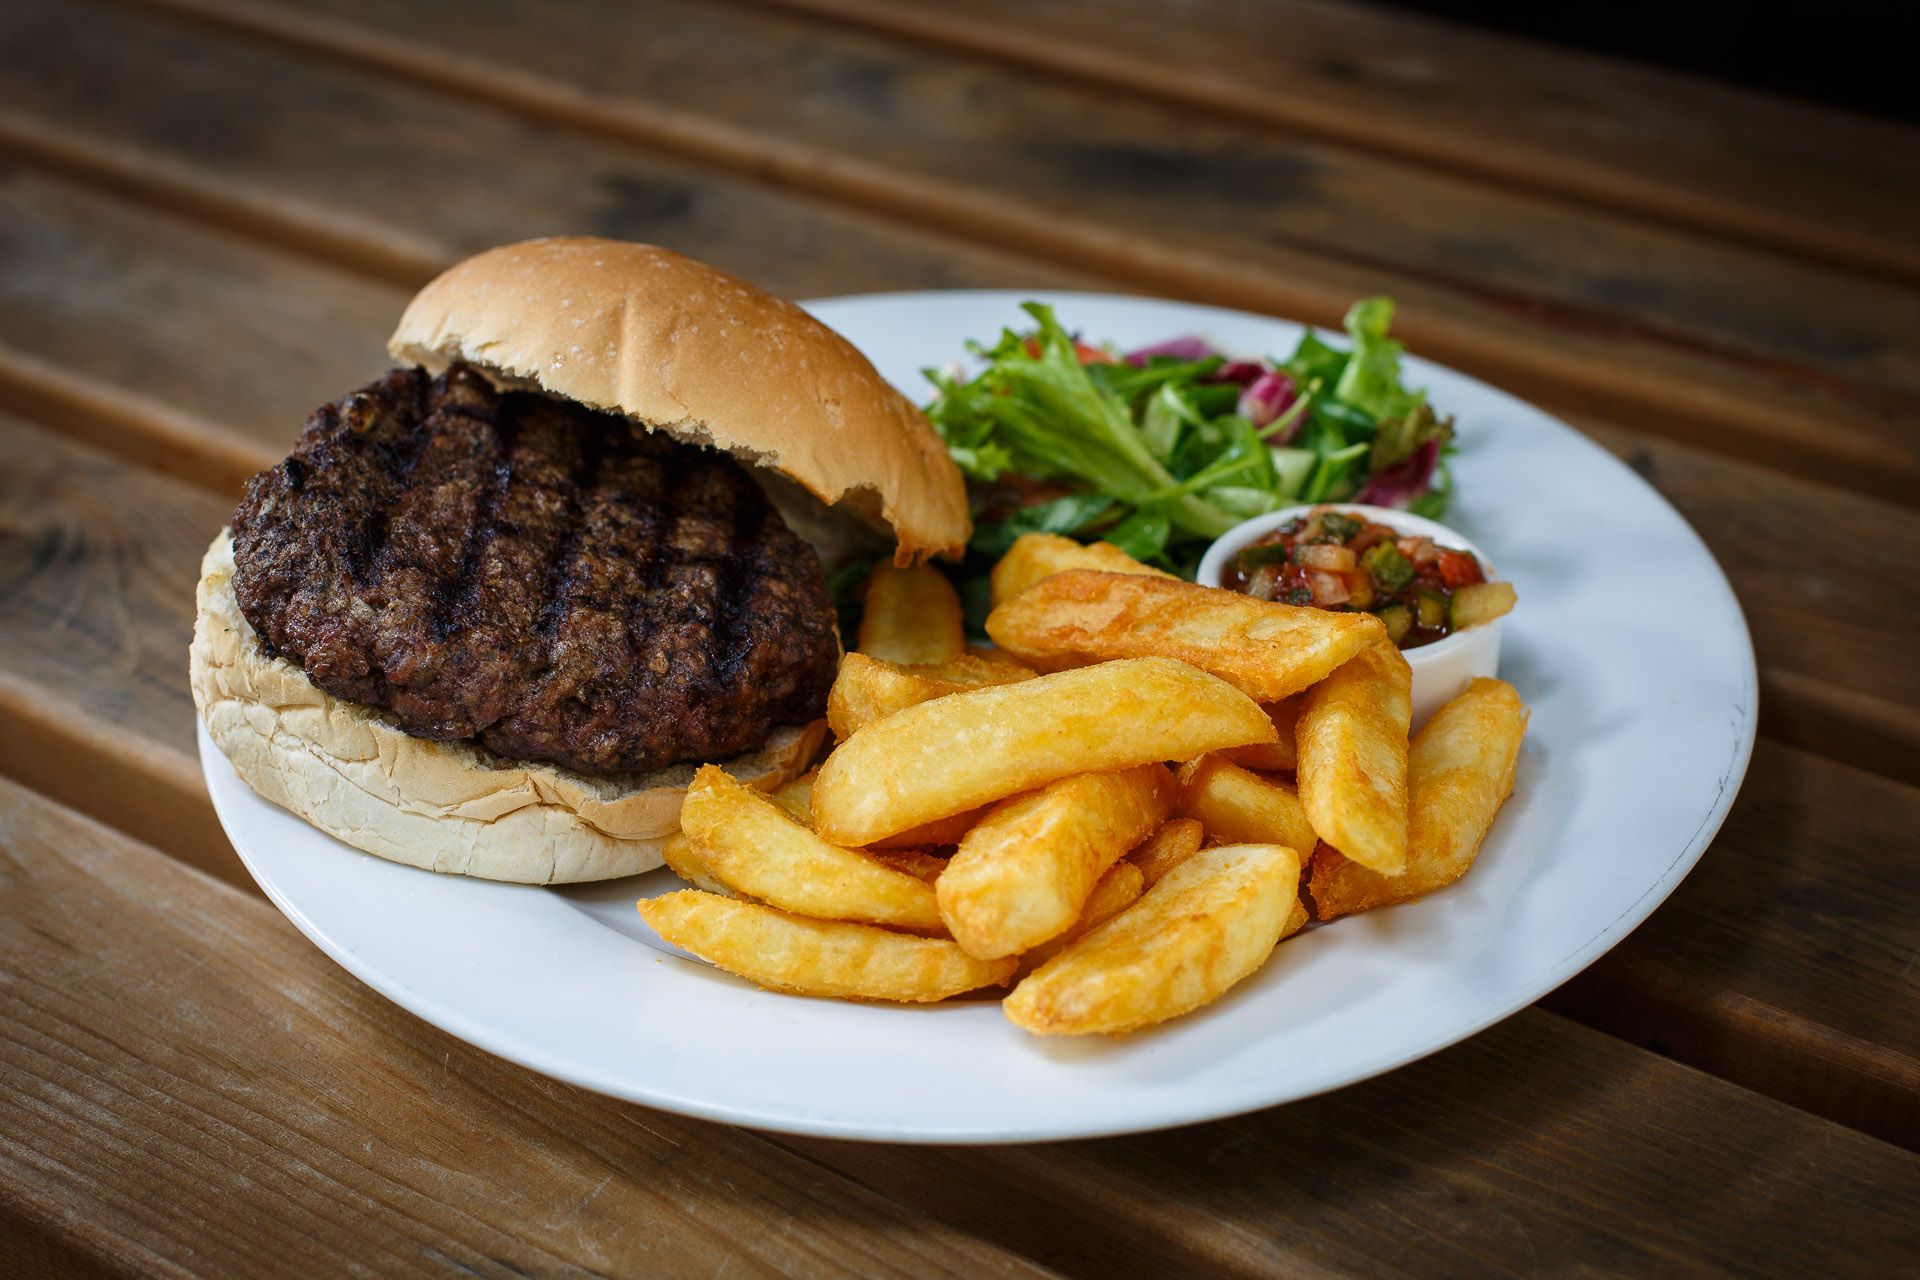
[1332, 559]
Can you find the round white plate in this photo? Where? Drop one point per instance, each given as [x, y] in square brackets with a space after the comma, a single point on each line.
[1628, 646]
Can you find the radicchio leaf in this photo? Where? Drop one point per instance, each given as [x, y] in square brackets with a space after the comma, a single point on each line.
[1189, 346]
[1266, 398]
[1400, 484]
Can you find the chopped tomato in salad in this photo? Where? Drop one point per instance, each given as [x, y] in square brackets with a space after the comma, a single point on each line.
[1333, 559]
[1086, 354]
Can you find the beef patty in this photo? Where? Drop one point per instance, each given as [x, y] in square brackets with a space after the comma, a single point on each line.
[556, 583]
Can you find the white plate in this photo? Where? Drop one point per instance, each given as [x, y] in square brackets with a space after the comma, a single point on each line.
[1627, 644]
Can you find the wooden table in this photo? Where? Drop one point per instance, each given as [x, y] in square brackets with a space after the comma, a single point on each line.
[211, 212]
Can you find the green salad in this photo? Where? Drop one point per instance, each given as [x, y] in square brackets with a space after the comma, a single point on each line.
[1161, 450]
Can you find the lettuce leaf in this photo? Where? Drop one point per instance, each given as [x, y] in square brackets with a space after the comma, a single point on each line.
[1155, 454]
[1370, 382]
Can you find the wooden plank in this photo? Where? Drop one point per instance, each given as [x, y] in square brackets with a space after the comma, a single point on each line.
[198, 1076]
[1836, 697]
[97, 565]
[1831, 640]
[1524, 1151]
[369, 172]
[194, 1088]
[1797, 367]
[1763, 969]
[255, 338]
[219, 349]
[1622, 135]
[1778, 964]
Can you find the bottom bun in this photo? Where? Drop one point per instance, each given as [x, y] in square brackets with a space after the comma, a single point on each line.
[444, 806]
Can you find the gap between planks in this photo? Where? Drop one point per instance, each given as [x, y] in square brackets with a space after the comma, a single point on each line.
[1663, 401]
[200, 1089]
[1836, 720]
[1438, 149]
[366, 250]
[152, 1007]
[128, 760]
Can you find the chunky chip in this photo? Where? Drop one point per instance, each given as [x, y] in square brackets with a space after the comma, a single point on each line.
[1237, 806]
[1000, 657]
[755, 847]
[1461, 771]
[911, 615]
[1353, 758]
[941, 831]
[917, 863]
[1268, 651]
[796, 796]
[1023, 874]
[794, 954]
[1119, 889]
[869, 689]
[968, 749]
[1273, 757]
[1034, 556]
[1212, 921]
[687, 862]
[1167, 848]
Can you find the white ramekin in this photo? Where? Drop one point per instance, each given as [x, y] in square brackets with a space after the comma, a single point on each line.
[1441, 669]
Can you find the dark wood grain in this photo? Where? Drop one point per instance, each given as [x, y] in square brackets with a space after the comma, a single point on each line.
[1811, 566]
[194, 1089]
[211, 211]
[374, 173]
[254, 338]
[1730, 162]
[202, 1078]
[1780, 963]
[1587, 311]
[1502, 1156]
[1784, 961]
[97, 565]
[217, 349]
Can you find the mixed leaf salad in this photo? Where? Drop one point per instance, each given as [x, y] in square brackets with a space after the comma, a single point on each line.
[1161, 450]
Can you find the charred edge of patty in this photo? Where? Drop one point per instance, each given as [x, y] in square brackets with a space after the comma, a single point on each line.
[555, 583]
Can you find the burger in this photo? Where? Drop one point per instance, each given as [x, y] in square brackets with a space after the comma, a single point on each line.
[496, 606]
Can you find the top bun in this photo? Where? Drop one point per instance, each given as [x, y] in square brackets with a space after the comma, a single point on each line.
[683, 348]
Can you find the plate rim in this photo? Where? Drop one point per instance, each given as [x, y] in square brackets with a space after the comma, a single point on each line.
[225, 789]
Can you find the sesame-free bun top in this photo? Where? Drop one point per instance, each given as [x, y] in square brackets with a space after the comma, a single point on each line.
[704, 356]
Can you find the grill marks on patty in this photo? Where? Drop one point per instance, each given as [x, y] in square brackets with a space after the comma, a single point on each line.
[553, 582]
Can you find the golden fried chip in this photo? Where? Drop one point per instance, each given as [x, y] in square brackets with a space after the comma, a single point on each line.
[1273, 757]
[967, 749]
[869, 689]
[1213, 920]
[1460, 771]
[994, 654]
[912, 615]
[1034, 556]
[1117, 890]
[1023, 873]
[796, 796]
[917, 863]
[755, 847]
[1238, 806]
[686, 862]
[1353, 758]
[941, 831]
[1167, 848]
[1267, 651]
[790, 953]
